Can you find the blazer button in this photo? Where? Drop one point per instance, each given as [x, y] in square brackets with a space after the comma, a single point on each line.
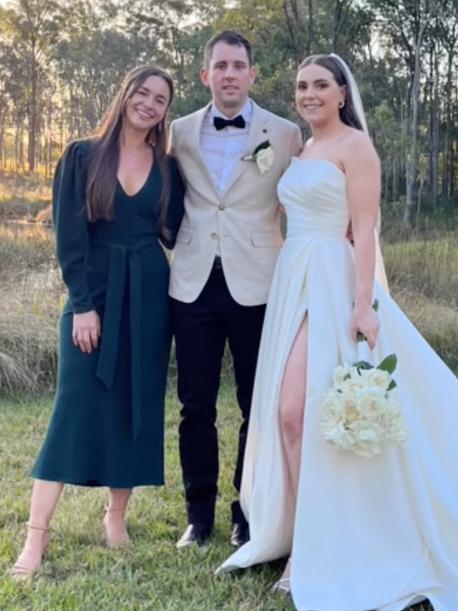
[214, 236]
[221, 207]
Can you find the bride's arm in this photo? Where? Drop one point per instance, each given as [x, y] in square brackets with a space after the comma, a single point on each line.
[362, 168]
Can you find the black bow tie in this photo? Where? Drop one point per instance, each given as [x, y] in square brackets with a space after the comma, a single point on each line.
[221, 123]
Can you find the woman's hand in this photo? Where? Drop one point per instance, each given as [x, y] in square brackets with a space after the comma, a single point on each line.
[366, 322]
[86, 331]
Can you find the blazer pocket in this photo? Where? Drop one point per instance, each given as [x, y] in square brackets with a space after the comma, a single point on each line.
[184, 236]
[266, 239]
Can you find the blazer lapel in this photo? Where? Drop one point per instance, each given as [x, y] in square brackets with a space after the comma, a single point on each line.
[259, 131]
[195, 144]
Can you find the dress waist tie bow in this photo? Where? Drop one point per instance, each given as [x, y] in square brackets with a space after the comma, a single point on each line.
[121, 258]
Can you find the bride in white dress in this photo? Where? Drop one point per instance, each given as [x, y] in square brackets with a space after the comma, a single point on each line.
[361, 533]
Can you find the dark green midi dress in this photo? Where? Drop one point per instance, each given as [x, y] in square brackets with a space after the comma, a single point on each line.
[107, 426]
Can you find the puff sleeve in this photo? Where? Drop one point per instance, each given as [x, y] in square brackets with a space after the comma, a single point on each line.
[70, 223]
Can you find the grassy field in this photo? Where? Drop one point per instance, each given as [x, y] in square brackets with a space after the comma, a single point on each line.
[81, 574]
[423, 276]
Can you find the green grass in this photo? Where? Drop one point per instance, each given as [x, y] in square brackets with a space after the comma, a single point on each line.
[430, 223]
[82, 574]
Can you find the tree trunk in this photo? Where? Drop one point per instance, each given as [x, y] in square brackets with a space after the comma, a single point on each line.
[448, 147]
[17, 147]
[435, 134]
[2, 144]
[412, 161]
[310, 31]
[33, 116]
[293, 21]
[337, 26]
[395, 182]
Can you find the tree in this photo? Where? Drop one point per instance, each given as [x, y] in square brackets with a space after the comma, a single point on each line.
[404, 26]
[31, 27]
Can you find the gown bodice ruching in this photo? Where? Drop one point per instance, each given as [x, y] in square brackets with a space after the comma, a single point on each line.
[313, 193]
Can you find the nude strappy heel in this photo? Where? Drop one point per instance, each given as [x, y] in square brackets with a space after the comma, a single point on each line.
[24, 569]
[121, 540]
[283, 585]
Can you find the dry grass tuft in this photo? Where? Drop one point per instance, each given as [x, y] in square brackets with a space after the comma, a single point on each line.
[13, 374]
[25, 249]
[28, 188]
[28, 342]
[23, 197]
[31, 298]
[437, 321]
[426, 267]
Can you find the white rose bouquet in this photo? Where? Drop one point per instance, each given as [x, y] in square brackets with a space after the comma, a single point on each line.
[361, 411]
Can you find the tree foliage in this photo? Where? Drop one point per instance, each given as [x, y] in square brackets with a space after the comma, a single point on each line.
[61, 61]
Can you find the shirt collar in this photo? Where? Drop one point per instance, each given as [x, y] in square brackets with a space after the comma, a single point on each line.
[246, 112]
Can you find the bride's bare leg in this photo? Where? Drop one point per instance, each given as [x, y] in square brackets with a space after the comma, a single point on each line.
[292, 402]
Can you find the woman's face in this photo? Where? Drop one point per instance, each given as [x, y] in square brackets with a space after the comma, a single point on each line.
[318, 95]
[148, 105]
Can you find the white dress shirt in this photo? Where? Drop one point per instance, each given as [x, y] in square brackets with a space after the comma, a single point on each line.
[221, 150]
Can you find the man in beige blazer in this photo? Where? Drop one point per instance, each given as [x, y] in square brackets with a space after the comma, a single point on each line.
[231, 154]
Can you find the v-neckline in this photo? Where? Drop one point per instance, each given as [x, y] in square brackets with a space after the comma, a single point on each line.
[141, 188]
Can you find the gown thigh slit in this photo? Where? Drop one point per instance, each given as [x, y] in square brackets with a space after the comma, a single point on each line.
[292, 403]
[366, 533]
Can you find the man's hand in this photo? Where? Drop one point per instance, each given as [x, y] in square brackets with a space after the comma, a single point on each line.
[86, 331]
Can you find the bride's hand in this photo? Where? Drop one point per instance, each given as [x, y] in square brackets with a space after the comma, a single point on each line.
[366, 322]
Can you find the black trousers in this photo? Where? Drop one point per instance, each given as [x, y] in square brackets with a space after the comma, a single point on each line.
[201, 329]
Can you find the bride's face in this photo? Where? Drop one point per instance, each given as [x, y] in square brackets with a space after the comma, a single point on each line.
[318, 95]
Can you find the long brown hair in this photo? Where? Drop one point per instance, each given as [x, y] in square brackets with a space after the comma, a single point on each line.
[103, 166]
[348, 114]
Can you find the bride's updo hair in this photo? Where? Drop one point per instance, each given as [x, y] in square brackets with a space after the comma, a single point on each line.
[347, 114]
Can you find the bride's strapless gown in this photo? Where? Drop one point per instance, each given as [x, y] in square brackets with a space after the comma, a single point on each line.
[368, 533]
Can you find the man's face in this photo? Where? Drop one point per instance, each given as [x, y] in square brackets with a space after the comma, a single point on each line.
[229, 77]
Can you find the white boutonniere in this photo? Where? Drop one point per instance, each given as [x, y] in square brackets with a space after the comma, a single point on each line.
[263, 155]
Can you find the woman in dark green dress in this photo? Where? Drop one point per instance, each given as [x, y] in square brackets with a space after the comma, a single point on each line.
[115, 196]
